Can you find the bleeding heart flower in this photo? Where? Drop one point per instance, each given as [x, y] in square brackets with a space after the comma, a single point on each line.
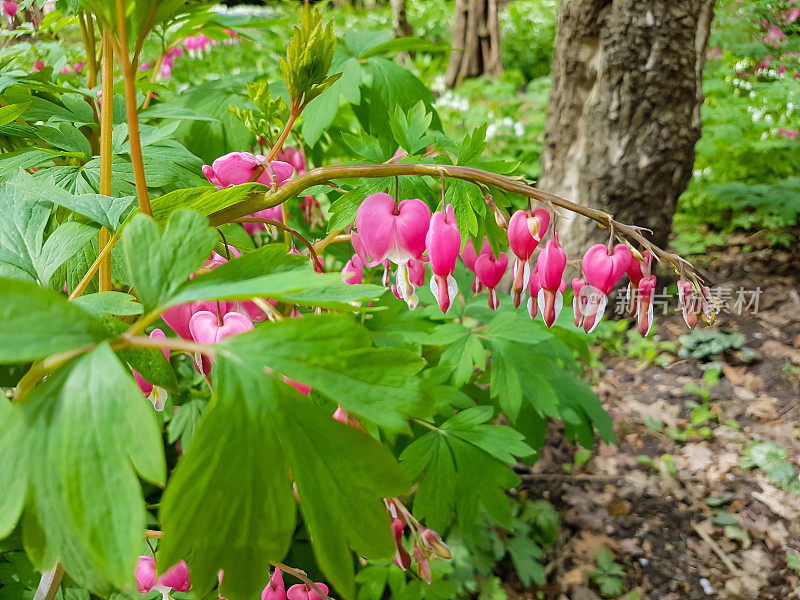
[386, 230]
[468, 257]
[690, 303]
[644, 300]
[443, 242]
[275, 213]
[401, 556]
[206, 329]
[604, 270]
[157, 395]
[534, 286]
[423, 568]
[294, 157]
[489, 271]
[176, 577]
[178, 316]
[275, 589]
[710, 306]
[525, 231]
[343, 416]
[550, 267]
[353, 271]
[235, 168]
[10, 7]
[37, 66]
[301, 591]
[435, 544]
[637, 270]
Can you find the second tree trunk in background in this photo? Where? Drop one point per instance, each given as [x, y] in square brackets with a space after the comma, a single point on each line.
[624, 112]
[476, 41]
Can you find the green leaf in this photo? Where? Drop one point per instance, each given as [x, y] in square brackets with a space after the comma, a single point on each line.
[364, 146]
[35, 322]
[151, 364]
[463, 351]
[461, 194]
[22, 224]
[524, 552]
[159, 263]
[88, 433]
[462, 466]
[13, 467]
[411, 130]
[336, 357]
[12, 112]
[205, 199]
[111, 303]
[60, 246]
[66, 137]
[256, 432]
[473, 145]
[322, 110]
[184, 423]
[405, 44]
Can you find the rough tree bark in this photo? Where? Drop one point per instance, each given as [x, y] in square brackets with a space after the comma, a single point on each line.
[476, 41]
[624, 112]
[402, 28]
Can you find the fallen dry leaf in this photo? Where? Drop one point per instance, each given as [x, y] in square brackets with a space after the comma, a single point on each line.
[765, 408]
[740, 376]
[779, 350]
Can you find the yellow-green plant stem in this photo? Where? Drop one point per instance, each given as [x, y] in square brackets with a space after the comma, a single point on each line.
[104, 251]
[128, 67]
[322, 175]
[106, 129]
[87, 34]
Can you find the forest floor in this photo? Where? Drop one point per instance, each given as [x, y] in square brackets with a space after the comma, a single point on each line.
[682, 508]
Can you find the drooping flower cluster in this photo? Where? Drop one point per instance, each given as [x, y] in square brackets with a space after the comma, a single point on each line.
[406, 235]
[196, 45]
[427, 543]
[175, 578]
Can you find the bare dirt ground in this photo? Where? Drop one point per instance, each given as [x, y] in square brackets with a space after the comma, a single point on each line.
[678, 507]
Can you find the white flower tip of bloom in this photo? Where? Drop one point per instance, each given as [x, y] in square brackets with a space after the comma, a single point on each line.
[752, 95]
[159, 398]
[491, 131]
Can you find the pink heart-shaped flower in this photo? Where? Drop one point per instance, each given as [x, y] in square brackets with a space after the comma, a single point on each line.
[602, 270]
[520, 239]
[386, 230]
[443, 242]
[301, 591]
[551, 263]
[205, 328]
[275, 589]
[177, 577]
[490, 270]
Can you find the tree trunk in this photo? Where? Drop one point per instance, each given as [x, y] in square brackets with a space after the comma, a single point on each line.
[624, 112]
[402, 28]
[476, 41]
